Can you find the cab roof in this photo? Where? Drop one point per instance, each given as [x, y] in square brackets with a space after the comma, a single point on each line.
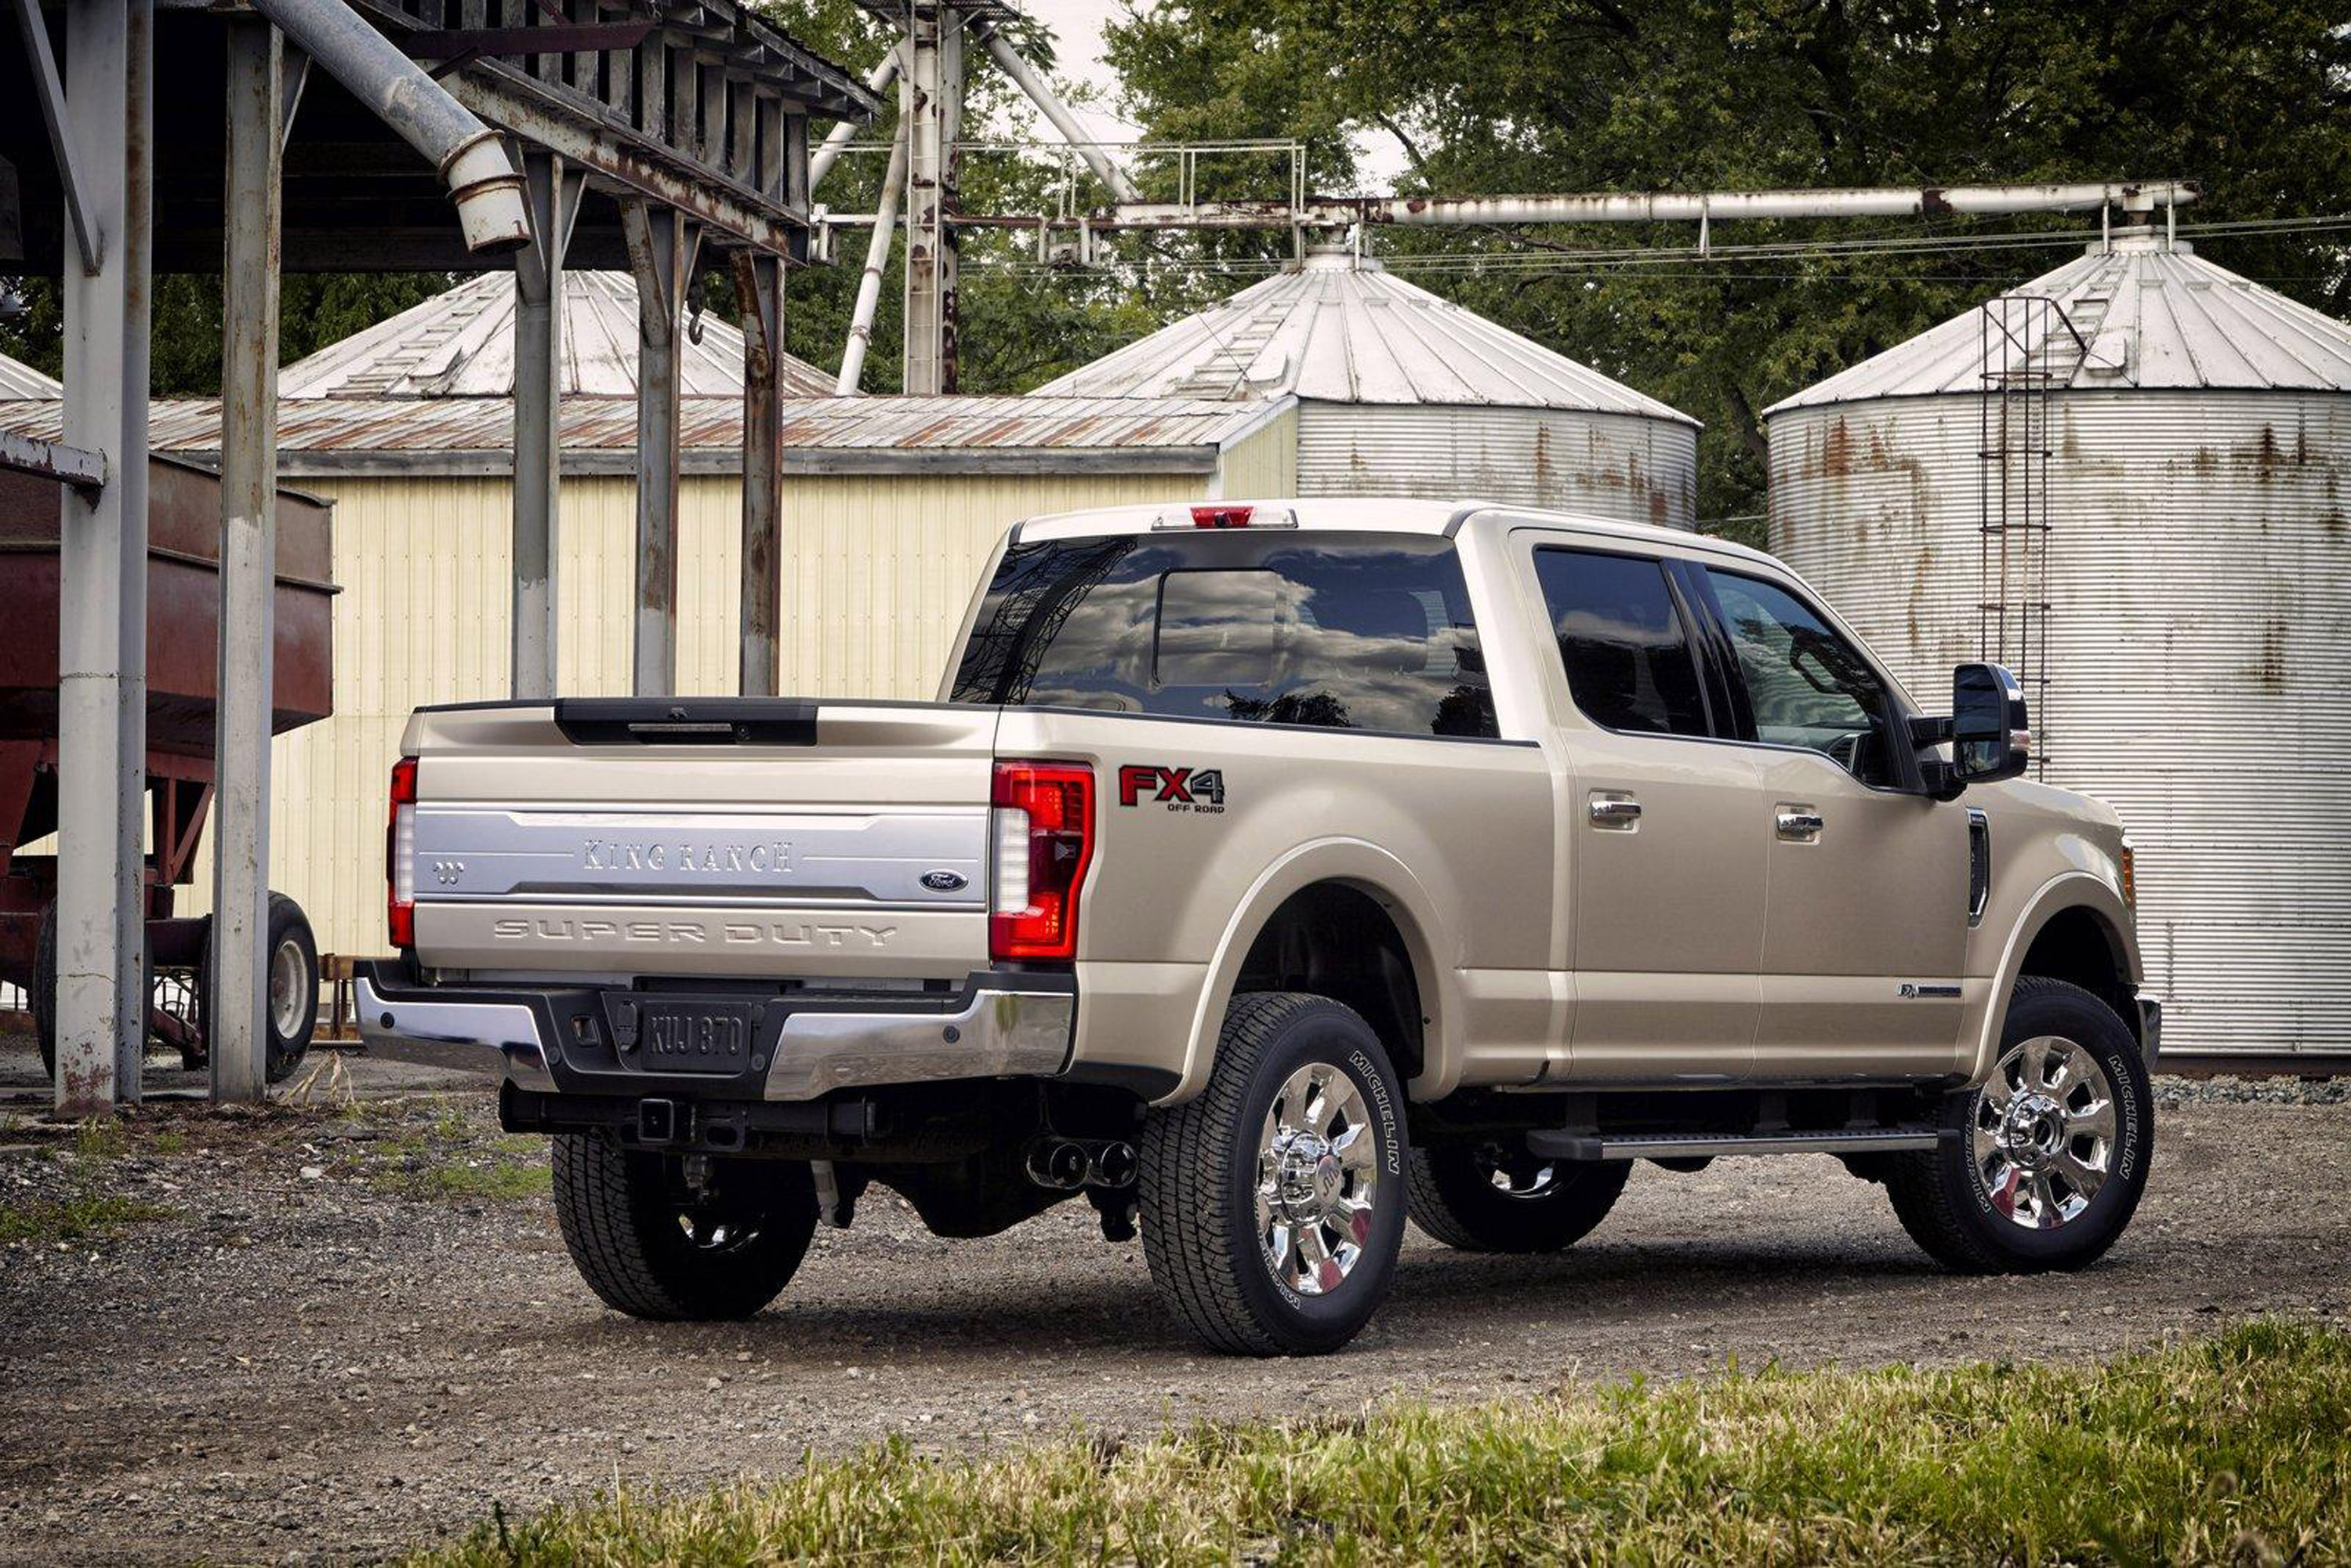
[1368, 515]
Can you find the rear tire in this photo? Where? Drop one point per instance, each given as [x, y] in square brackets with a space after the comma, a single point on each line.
[1460, 1198]
[653, 1249]
[2051, 1152]
[1273, 1203]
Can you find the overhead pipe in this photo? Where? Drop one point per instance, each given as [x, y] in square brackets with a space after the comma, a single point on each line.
[877, 257]
[822, 160]
[470, 156]
[999, 49]
[1925, 201]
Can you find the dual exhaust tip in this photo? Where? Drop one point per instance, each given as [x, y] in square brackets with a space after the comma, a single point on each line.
[1065, 1165]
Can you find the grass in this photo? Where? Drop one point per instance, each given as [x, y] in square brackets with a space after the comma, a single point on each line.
[447, 1159]
[43, 1220]
[2228, 1450]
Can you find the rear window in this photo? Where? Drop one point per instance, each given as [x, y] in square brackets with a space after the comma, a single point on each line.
[1628, 663]
[1340, 631]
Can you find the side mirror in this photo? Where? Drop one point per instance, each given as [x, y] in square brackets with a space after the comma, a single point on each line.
[1992, 736]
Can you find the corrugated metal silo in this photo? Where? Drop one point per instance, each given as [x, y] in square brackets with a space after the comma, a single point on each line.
[2169, 448]
[1403, 394]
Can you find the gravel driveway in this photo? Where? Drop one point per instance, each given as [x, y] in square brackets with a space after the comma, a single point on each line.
[342, 1334]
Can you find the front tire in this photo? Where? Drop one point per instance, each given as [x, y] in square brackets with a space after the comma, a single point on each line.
[1273, 1203]
[2051, 1152]
[1487, 1198]
[652, 1248]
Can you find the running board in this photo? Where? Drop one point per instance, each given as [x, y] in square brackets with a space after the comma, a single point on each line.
[1560, 1144]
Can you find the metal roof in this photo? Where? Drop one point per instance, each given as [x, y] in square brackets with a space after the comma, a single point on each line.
[2147, 315]
[326, 436]
[461, 344]
[1339, 328]
[20, 382]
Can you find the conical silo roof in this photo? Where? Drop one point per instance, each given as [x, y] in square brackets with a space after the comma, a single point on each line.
[2143, 314]
[462, 344]
[1338, 328]
[20, 383]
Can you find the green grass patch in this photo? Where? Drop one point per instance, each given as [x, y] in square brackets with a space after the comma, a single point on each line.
[43, 1220]
[502, 1179]
[2232, 1449]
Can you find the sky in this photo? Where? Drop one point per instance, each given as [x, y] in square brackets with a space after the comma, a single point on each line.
[1077, 27]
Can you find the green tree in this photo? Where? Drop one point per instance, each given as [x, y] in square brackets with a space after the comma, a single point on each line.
[2254, 100]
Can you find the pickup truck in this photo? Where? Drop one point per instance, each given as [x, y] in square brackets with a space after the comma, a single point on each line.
[1267, 873]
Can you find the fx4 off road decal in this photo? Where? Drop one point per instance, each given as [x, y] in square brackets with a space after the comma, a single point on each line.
[1199, 789]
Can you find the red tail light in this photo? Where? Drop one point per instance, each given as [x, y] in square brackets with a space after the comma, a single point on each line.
[1043, 826]
[1214, 517]
[400, 856]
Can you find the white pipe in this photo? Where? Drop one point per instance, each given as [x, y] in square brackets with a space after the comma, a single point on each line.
[1008, 57]
[471, 158]
[1666, 207]
[877, 256]
[822, 160]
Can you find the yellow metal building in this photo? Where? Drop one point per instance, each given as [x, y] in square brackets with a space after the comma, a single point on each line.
[891, 505]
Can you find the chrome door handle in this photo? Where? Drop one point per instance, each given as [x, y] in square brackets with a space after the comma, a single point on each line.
[1612, 809]
[1799, 824]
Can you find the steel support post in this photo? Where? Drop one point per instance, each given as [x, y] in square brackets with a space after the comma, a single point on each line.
[759, 294]
[663, 246]
[238, 980]
[551, 191]
[103, 559]
[138, 249]
[932, 102]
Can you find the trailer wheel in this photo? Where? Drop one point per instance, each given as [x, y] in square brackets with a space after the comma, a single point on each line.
[290, 970]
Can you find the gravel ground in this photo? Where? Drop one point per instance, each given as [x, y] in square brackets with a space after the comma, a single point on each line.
[336, 1334]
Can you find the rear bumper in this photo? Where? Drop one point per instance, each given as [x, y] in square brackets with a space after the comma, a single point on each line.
[555, 1039]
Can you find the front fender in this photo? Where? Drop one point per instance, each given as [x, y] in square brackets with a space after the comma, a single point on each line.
[2067, 890]
[1373, 871]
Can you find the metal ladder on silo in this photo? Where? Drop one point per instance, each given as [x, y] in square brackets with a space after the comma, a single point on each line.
[2028, 345]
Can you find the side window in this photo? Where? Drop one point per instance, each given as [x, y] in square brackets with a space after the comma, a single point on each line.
[1628, 658]
[1807, 684]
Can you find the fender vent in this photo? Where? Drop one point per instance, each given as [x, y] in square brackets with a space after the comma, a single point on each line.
[1978, 864]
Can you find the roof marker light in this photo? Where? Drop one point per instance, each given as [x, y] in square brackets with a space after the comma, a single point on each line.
[1227, 515]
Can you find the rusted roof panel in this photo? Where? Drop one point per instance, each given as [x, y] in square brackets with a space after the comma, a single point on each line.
[437, 424]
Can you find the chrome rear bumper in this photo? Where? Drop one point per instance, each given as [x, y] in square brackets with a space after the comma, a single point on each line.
[996, 1026]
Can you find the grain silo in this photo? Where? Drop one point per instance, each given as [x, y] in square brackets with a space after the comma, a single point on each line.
[1403, 394]
[2128, 477]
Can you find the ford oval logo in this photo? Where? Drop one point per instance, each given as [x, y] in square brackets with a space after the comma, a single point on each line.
[944, 880]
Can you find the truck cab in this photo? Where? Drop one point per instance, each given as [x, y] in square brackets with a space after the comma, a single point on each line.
[1267, 873]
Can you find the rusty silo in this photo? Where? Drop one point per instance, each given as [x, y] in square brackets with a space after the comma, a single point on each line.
[2130, 479]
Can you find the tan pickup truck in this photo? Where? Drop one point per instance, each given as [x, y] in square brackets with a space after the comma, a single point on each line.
[1267, 874]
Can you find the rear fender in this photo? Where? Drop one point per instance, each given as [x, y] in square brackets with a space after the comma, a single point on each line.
[1369, 870]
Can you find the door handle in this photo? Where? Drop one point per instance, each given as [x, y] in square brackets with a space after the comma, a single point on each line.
[1612, 809]
[1798, 824]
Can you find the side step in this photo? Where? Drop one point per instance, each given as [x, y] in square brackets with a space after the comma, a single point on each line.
[1561, 1144]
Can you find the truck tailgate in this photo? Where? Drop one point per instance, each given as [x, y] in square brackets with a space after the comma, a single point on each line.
[755, 838]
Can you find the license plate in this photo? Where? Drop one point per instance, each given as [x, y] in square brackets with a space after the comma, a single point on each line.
[693, 1036]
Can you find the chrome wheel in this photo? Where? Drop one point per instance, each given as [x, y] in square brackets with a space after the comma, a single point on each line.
[1317, 1180]
[286, 972]
[2043, 1132]
[1515, 1174]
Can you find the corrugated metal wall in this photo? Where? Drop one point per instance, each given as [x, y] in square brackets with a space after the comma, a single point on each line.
[1611, 465]
[2199, 625]
[1264, 462]
[876, 574]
